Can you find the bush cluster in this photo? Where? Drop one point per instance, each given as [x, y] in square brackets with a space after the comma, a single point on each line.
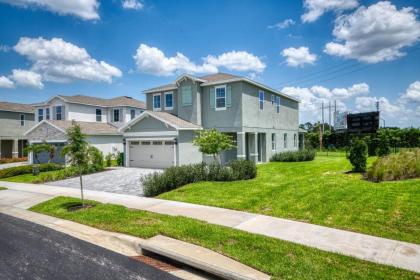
[96, 157]
[177, 176]
[358, 155]
[67, 172]
[303, 155]
[27, 169]
[403, 165]
[11, 160]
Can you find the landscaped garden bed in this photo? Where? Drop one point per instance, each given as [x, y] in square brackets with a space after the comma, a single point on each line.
[281, 259]
[12, 160]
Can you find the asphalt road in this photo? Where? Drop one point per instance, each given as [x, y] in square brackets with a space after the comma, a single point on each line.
[31, 251]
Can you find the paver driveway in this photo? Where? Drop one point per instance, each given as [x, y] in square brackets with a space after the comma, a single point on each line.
[124, 180]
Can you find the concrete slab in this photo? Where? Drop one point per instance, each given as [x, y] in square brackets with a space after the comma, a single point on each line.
[201, 258]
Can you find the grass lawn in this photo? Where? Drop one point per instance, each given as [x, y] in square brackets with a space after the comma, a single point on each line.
[318, 192]
[27, 178]
[278, 258]
[3, 188]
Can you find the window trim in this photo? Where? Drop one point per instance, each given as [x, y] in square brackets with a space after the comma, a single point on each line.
[40, 114]
[47, 113]
[261, 102]
[273, 99]
[160, 102]
[132, 114]
[278, 104]
[56, 112]
[165, 94]
[273, 142]
[22, 120]
[215, 98]
[285, 140]
[100, 115]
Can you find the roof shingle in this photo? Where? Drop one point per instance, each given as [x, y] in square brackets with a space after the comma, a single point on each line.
[174, 120]
[16, 107]
[96, 101]
[88, 128]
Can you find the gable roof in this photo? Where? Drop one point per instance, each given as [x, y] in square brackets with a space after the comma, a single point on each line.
[100, 102]
[87, 128]
[16, 107]
[167, 118]
[219, 78]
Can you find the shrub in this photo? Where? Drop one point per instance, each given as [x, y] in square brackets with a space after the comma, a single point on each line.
[384, 148]
[11, 160]
[108, 160]
[403, 165]
[292, 156]
[218, 172]
[358, 155]
[27, 169]
[120, 159]
[67, 172]
[96, 157]
[243, 169]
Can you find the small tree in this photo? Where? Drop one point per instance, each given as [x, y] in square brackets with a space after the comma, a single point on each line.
[77, 151]
[213, 142]
[36, 149]
[358, 155]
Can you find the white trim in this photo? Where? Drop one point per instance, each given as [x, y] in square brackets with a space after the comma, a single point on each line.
[160, 102]
[20, 120]
[186, 76]
[159, 89]
[151, 134]
[241, 132]
[252, 154]
[164, 100]
[41, 122]
[48, 141]
[259, 99]
[241, 156]
[215, 98]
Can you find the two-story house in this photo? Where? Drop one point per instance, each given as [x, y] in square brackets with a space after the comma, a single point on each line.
[261, 120]
[15, 119]
[98, 118]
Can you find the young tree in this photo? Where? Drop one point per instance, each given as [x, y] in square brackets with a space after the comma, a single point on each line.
[36, 149]
[358, 155]
[77, 151]
[213, 142]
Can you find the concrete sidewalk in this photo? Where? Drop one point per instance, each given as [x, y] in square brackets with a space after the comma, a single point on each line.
[380, 250]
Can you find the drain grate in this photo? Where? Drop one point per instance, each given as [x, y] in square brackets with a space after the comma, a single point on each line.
[156, 263]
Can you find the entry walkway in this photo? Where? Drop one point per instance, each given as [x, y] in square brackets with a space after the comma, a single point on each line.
[375, 249]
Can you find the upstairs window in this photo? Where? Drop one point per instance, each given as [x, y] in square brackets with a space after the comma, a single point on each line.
[220, 98]
[261, 99]
[156, 102]
[285, 140]
[273, 141]
[132, 114]
[116, 115]
[273, 99]
[22, 120]
[47, 113]
[40, 114]
[59, 113]
[99, 115]
[278, 104]
[186, 95]
[169, 101]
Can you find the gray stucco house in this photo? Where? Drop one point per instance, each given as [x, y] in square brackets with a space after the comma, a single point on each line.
[15, 119]
[261, 120]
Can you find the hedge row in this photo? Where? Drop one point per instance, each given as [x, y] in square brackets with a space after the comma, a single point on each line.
[177, 176]
[65, 173]
[27, 169]
[303, 155]
[11, 160]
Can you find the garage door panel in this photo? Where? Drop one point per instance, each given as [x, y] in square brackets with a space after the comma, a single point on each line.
[151, 154]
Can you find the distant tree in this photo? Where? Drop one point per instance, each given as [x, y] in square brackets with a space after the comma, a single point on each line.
[358, 155]
[213, 142]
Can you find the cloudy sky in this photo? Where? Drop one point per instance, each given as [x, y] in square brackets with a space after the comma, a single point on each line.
[350, 51]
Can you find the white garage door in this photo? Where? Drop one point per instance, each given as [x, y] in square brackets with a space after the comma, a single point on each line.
[151, 154]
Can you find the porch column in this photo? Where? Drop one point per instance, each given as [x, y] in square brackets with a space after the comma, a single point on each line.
[240, 145]
[15, 148]
[253, 146]
[0, 150]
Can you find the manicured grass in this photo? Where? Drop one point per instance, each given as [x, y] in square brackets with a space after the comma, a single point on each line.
[3, 188]
[278, 258]
[27, 178]
[318, 192]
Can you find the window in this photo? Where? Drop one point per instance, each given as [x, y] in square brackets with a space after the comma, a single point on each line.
[99, 115]
[273, 98]
[220, 98]
[134, 143]
[58, 113]
[278, 104]
[47, 113]
[132, 113]
[157, 143]
[273, 141]
[186, 95]
[261, 99]
[169, 102]
[285, 140]
[145, 142]
[116, 114]
[156, 102]
[295, 140]
[22, 120]
[40, 114]
[169, 143]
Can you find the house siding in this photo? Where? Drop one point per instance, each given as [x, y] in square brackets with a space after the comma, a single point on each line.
[10, 124]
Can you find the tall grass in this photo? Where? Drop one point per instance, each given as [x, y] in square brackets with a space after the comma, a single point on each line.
[403, 165]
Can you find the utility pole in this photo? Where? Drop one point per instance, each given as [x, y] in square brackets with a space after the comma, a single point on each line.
[329, 114]
[335, 111]
[321, 128]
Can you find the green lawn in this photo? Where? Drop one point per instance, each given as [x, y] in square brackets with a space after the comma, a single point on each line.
[318, 192]
[3, 188]
[27, 178]
[281, 259]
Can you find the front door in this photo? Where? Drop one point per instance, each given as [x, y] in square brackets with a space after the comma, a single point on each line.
[261, 145]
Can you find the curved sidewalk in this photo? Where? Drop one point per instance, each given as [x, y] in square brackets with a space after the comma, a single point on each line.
[371, 248]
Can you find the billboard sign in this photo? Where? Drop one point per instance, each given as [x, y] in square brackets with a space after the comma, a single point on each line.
[340, 121]
[363, 122]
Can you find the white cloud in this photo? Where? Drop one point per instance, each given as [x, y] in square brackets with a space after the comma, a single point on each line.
[375, 33]
[316, 8]
[413, 92]
[283, 24]
[298, 56]
[85, 9]
[6, 82]
[153, 61]
[60, 61]
[132, 4]
[27, 78]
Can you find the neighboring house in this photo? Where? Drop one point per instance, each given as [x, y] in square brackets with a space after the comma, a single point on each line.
[15, 119]
[261, 120]
[98, 118]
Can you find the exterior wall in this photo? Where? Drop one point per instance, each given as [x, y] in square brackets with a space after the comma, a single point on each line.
[127, 113]
[46, 132]
[54, 102]
[10, 127]
[107, 143]
[85, 113]
[228, 120]
[187, 153]
[150, 124]
[149, 101]
[191, 113]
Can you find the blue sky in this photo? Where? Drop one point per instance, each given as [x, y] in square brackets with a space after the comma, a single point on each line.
[355, 52]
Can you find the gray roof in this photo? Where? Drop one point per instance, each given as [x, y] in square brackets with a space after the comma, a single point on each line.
[101, 102]
[88, 128]
[174, 120]
[218, 77]
[162, 88]
[16, 107]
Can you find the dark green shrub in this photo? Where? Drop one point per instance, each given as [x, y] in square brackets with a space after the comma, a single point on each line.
[358, 155]
[218, 172]
[27, 169]
[108, 160]
[65, 173]
[120, 159]
[96, 157]
[384, 148]
[293, 156]
[243, 169]
[403, 165]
